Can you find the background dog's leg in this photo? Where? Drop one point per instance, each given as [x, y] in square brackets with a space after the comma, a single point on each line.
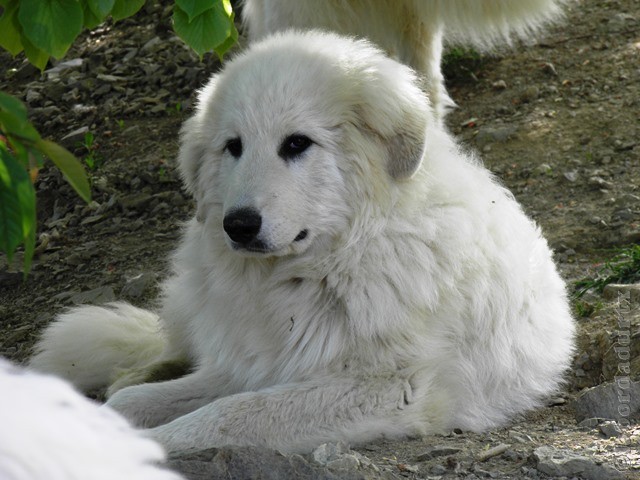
[152, 404]
[298, 417]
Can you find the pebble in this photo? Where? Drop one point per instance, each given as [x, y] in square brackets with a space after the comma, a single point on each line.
[499, 85]
[614, 291]
[488, 134]
[610, 429]
[62, 66]
[138, 285]
[437, 451]
[589, 423]
[95, 296]
[599, 182]
[543, 169]
[530, 94]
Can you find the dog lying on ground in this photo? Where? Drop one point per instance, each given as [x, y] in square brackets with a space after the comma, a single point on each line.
[350, 272]
[412, 31]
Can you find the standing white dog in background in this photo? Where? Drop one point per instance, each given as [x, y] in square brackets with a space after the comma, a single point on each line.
[349, 274]
[412, 31]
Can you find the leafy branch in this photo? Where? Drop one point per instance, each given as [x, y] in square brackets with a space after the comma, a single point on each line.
[47, 28]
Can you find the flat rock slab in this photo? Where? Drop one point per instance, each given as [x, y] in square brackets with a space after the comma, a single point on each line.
[564, 463]
[239, 463]
[619, 401]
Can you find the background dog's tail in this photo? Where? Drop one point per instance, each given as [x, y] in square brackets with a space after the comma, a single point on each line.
[90, 346]
[486, 23]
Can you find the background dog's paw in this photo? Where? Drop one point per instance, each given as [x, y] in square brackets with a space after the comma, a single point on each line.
[137, 405]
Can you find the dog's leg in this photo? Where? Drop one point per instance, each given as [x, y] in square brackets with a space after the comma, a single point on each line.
[298, 417]
[152, 404]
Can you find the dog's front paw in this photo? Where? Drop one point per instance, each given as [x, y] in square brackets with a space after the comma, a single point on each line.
[138, 405]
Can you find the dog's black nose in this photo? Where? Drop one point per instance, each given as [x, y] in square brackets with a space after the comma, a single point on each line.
[242, 225]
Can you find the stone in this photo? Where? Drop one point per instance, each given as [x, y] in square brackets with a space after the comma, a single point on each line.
[138, 285]
[328, 452]
[589, 423]
[495, 134]
[564, 463]
[610, 429]
[75, 136]
[62, 66]
[619, 401]
[499, 85]
[436, 451]
[530, 94]
[614, 291]
[256, 462]
[94, 296]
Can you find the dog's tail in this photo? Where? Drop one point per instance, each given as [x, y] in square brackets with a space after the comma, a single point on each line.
[486, 23]
[90, 345]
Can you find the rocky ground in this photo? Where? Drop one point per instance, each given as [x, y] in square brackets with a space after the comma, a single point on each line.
[558, 122]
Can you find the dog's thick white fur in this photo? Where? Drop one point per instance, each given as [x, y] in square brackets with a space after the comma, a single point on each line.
[412, 31]
[350, 272]
[50, 431]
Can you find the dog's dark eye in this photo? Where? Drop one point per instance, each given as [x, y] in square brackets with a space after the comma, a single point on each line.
[293, 146]
[234, 147]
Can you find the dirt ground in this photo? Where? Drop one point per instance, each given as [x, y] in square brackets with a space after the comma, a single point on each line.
[558, 121]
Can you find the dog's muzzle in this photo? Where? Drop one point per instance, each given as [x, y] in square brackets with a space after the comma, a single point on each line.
[243, 228]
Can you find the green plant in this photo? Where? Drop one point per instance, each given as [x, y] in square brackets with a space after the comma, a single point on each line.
[175, 109]
[22, 153]
[47, 28]
[92, 160]
[461, 64]
[584, 309]
[624, 267]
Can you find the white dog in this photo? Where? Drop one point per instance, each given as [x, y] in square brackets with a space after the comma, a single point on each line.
[412, 31]
[49, 431]
[349, 274]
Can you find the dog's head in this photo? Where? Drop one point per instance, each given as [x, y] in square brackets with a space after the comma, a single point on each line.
[281, 133]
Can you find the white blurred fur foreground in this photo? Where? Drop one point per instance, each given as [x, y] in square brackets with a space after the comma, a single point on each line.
[49, 431]
[412, 31]
[350, 272]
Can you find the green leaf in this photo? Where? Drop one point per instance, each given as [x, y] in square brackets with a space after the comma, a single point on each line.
[30, 240]
[10, 29]
[69, 165]
[208, 30]
[13, 119]
[100, 8]
[89, 19]
[51, 25]
[38, 58]
[125, 8]
[225, 46]
[13, 106]
[193, 8]
[17, 206]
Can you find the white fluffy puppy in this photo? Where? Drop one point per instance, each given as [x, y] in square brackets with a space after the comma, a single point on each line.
[412, 31]
[349, 274]
[49, 431]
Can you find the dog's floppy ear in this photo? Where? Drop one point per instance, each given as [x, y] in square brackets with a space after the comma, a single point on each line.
[194, 139]
[395, 108]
